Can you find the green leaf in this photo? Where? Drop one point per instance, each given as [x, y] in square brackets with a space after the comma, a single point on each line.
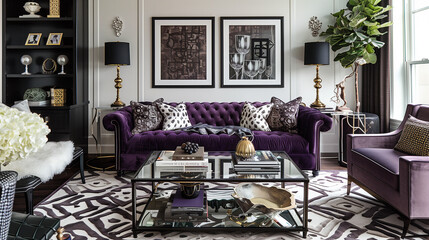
[361, 35]
[353, 2]
[369, 48]
[360, 18]
[379, 17]
[351, 38]
[375, 2]
[370, 24]
[348, 60]
[370, 57]
[373, 32]
[377, 44]
[386, 24]
[387, 8]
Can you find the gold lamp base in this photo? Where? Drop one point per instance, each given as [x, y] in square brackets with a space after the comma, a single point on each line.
[118, 85]
[317, 84]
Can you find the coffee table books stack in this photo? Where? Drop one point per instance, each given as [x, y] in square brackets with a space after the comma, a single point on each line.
[264, 162]
[175, 161]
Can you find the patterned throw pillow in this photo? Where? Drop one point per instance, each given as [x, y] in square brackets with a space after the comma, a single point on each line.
[255, 118]
[146, 117]
[174, 117]
[283, 115]
[414, 137]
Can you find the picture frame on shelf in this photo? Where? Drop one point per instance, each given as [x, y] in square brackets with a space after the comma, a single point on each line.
[183, 52]
[54, 39]
[33, 39]
[252, 52]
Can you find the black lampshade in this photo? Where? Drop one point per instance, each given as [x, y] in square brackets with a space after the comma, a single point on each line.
[116, 53]
[316, 53]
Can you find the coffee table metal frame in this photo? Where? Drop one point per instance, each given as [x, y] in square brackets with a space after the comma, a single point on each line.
[150, 180]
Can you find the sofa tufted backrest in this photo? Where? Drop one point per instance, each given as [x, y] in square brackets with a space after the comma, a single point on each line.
[215, 113]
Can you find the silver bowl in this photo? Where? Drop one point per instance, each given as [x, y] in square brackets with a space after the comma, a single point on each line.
[254, 197]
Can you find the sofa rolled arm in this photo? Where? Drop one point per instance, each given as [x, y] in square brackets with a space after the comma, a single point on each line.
[414, 178]
[310, 123]
[121, 122]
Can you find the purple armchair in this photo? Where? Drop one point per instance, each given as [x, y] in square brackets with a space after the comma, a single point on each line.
[132, 150]
[395, 177]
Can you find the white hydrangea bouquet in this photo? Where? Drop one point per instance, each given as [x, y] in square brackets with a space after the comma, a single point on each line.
[21, 133]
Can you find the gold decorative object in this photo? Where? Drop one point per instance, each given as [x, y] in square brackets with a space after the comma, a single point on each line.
[254, 197]
[54, 9]
[58, 96]
[245, 148]
[317, 84]
[49, 70]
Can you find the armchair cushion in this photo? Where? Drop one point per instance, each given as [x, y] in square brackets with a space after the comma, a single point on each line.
[414, 138]
[383, 163]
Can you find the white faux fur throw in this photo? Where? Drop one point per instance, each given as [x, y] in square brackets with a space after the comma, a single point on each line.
[49, 160]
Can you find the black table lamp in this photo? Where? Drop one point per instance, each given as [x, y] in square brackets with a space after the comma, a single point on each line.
[117, 53]
[317, 53]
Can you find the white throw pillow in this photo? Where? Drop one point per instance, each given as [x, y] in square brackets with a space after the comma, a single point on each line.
[255, 118]
[174, 117]
[22, 106]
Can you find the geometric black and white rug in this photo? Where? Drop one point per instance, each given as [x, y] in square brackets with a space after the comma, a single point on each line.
[101, 209]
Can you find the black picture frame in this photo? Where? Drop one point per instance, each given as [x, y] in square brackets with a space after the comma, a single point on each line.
[183, 52]
[267, 34]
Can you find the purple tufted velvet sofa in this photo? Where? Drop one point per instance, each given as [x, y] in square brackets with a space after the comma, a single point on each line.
[132, 150]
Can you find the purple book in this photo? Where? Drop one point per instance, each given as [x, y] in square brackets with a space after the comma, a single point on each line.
[180, 201]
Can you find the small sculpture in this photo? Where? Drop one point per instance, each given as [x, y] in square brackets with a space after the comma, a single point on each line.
[117, 26]
[62, 60]
[26, 60]
[341, 94]
[314, 25]
[31, 8]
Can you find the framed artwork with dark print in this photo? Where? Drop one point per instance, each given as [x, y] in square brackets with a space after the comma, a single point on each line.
[183, 52]
[252, 52]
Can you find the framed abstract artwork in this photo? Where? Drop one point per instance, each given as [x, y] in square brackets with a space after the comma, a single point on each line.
[252, 52]
[183, 52]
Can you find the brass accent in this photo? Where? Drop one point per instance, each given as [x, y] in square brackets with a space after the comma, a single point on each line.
[118, 85]
[245, 148]
[58, 96]
[317, 103]
[60, 233]
[51, 70]
[54, 9]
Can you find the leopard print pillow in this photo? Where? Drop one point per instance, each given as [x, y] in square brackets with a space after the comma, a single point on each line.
[255, 118]
[146, 117]
[174, 117]
[283, 116]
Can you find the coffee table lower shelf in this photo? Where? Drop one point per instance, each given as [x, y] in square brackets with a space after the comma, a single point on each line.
[221, 212]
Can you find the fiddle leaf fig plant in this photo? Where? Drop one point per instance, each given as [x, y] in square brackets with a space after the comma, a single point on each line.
[356, 30]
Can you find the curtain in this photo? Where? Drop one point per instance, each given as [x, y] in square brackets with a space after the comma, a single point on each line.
[376, 81]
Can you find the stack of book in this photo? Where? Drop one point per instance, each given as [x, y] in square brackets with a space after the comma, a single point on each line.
[178, 161]
[264, 162]
[181, 209]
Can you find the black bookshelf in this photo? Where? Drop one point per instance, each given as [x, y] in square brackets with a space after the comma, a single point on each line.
[68, 122]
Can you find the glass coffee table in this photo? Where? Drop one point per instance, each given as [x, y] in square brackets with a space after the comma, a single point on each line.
[220, 210]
